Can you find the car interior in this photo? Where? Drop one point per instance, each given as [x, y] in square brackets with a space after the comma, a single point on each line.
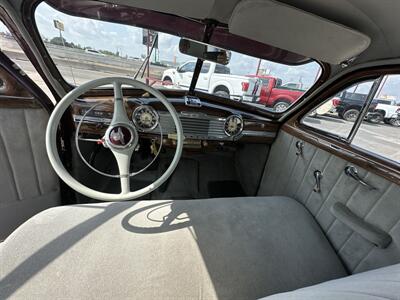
[116, 185]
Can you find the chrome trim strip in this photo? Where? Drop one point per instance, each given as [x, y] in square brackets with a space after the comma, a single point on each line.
[215, 126]
[77, 118]
[259, 133]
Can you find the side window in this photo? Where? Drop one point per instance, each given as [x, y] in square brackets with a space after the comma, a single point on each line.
[11, 48]
[375, 129]
[205, 68]
[337, 115]
[265, 81]
[189, 67]
[220, 69]
[379, 131]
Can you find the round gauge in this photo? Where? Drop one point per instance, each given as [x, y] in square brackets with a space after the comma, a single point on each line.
[233, 125]
[145, 118]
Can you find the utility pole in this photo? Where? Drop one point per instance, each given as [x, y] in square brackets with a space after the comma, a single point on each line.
[61, 37]
[258, 66]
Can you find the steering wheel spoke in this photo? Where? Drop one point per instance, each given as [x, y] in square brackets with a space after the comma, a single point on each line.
[120, 115]
[123, 159]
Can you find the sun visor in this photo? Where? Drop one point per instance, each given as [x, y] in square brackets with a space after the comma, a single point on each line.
[297, 31]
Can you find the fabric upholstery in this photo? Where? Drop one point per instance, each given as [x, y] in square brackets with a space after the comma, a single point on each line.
[28, 184]
[226, 248]
[291, 175]
[250, 161]
[383, 283]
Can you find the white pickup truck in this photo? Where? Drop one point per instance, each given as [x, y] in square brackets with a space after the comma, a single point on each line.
[215, 79]
[387, 111]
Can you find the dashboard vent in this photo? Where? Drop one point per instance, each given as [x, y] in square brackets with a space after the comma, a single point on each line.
[195, 125]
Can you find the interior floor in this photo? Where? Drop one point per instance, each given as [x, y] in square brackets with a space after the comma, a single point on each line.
[211, 174]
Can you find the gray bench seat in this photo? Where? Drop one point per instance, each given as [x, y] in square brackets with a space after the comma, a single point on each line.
[227, 248]
[382, 283]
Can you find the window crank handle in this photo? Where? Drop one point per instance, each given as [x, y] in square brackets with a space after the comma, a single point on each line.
[318, 177]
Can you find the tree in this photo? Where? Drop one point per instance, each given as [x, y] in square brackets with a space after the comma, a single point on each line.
[107, 52]
[58, 41]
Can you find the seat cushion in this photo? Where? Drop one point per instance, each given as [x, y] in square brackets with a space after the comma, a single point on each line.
[383, 283]
[227, 248]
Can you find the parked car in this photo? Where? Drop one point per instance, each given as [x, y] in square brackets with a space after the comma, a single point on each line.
[385, 110]
[95, 52]
[348, 105]
[274, 94]
[214, 78]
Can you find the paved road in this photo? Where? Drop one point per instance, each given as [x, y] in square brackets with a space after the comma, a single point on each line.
[71, 74]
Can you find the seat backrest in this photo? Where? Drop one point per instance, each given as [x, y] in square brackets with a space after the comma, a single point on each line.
[383, 283]
[292, 175]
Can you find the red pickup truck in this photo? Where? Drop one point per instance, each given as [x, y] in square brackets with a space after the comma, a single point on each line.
[274, 94]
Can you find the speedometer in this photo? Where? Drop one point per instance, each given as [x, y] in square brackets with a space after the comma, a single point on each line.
[145, 118]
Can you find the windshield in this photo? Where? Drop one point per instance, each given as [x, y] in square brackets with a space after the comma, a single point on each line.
[84, 49]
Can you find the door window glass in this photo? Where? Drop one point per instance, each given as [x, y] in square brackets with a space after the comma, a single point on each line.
[379, 131]
[337, 115]
[220, 69]
[205, 68]
[189, 67]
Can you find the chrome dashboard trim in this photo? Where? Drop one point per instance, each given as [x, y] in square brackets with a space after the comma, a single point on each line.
[195, 126]
[91, 120]
[254, 133]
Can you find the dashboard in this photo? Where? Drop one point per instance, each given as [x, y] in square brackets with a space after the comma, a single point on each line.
[203, 122]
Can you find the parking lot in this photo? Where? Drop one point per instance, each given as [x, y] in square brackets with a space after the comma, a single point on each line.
[378, 138]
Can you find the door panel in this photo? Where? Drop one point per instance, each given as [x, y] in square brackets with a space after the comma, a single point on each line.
[28, 184]
[292, 175]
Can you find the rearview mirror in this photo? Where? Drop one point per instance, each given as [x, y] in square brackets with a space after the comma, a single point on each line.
[204, 51]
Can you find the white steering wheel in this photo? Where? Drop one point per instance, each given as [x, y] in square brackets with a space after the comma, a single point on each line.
[121, 138]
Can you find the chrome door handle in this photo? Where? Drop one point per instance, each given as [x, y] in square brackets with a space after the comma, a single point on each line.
[352, 172]
[318, 177]
[299, 147]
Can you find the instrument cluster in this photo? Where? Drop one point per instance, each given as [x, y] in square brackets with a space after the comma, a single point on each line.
[145, 118]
